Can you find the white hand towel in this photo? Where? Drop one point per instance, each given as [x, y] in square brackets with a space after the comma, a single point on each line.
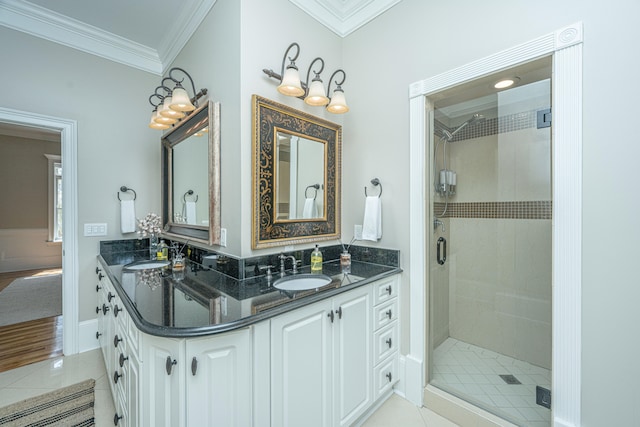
[190, 211]
[372, 223]
[310, 209]
[127, 216]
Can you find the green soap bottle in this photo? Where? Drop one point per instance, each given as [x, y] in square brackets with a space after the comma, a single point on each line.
[316, 261]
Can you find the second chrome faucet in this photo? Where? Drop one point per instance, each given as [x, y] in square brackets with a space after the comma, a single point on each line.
[294, 262]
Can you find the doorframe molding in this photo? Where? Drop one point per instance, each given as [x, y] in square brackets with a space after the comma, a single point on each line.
[69, 148]
[565, 46]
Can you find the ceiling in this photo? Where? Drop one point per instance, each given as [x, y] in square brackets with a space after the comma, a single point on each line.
[149, 34]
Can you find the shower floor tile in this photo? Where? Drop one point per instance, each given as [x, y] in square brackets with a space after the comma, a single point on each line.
[473, 373]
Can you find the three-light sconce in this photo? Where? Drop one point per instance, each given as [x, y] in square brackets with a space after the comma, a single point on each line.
[174, 104]
[312, 92]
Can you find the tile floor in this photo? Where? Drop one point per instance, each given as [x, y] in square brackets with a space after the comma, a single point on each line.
[37, 378]
[41, 377]
[472, 373]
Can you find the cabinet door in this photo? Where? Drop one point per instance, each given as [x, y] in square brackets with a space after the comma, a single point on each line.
[352, 352]
[301, 367]
[163, 393]
[219, 380]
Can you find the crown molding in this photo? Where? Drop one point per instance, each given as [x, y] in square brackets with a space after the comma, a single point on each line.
[40, 22]
[185, 25]
[344, 16]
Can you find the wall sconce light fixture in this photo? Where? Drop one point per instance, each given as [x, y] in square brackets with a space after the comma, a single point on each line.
[174, 104]
[312, 92]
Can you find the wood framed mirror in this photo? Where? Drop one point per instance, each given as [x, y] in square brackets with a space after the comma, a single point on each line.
[297, 161]
[191, 177]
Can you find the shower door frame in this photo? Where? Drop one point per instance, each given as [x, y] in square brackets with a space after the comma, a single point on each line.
[565, 48]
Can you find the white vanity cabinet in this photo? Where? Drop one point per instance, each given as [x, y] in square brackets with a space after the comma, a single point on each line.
[197, 382]
[321, 361]
[119, 348]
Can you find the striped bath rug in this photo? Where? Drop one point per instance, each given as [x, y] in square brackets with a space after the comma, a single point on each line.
[68, 406]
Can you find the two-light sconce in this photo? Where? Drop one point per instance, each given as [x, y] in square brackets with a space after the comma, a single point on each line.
[174, 104]
[312, 92]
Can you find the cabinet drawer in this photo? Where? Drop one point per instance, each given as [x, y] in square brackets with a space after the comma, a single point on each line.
[385, 376]
[385, 313]
[385, 290]
[385, 342]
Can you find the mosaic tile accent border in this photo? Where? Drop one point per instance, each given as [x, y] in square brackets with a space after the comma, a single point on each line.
[494, 126]
[541, 209]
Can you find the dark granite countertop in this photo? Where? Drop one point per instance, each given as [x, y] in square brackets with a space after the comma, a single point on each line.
[200, 301]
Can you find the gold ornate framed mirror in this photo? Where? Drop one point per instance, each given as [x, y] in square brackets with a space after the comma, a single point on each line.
[297, 160]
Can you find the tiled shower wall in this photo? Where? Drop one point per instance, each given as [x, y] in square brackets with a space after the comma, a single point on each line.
[498, 231]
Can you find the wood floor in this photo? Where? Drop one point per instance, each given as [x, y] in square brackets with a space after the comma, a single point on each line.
[29, 342]
[33, 341]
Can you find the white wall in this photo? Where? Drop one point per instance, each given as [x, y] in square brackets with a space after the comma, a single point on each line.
[115, 146]
[415, 40]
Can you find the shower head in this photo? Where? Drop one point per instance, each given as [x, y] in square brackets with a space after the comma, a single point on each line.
[476, 118]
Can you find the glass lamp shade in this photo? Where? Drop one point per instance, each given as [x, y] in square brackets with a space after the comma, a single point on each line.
[291, 85]
[338, 104]
[165, 111]
[155, 125]
[180, 100]
[163, 120]
[316, 96]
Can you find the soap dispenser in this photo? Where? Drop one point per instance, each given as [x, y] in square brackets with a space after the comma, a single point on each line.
[163, 251]
[316, 260]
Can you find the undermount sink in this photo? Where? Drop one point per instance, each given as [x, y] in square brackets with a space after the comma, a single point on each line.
[302, 282]
[146, 265]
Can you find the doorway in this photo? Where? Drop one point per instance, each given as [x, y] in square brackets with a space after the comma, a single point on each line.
[67, 130]
[565, 48]
[491, 270]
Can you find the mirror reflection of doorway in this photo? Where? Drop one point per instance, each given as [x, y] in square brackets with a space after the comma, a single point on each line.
[30, 245]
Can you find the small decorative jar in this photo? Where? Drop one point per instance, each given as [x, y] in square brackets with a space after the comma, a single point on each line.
[345, 262]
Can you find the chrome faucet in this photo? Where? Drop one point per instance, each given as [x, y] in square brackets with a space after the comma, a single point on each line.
[283, 258]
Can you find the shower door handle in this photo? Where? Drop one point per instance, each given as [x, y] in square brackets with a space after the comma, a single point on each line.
[441, 255]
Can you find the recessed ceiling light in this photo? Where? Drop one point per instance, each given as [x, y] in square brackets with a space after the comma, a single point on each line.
[505, 83]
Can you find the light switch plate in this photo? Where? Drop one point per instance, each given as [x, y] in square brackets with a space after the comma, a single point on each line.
[357, 231]
[95, 229]
[223, 237]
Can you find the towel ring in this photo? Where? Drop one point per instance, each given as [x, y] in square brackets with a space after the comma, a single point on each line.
[375, 182]
[315, 186]
[189, 193]
[124, 189]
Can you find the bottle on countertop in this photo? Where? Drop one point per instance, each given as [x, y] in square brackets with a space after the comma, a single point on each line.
[163, 251]
[316, 260]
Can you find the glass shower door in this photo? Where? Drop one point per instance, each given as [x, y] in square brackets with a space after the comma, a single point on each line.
[490, 269]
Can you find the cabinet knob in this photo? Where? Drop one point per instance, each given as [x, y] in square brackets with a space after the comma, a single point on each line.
[330, 315]
[110, 296]
[98, 287]
[98, 270]
[116, 376]
[98, 310]
[388, 289]
[116, 340]
[339, 312]
[105, 308]
[98, 334]
[194, 366]
[100, 276]
[116, 309]
[388, 342]
[389, 314]
[116, 419]
[388, 376]
[169, 364]
[122, 359]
